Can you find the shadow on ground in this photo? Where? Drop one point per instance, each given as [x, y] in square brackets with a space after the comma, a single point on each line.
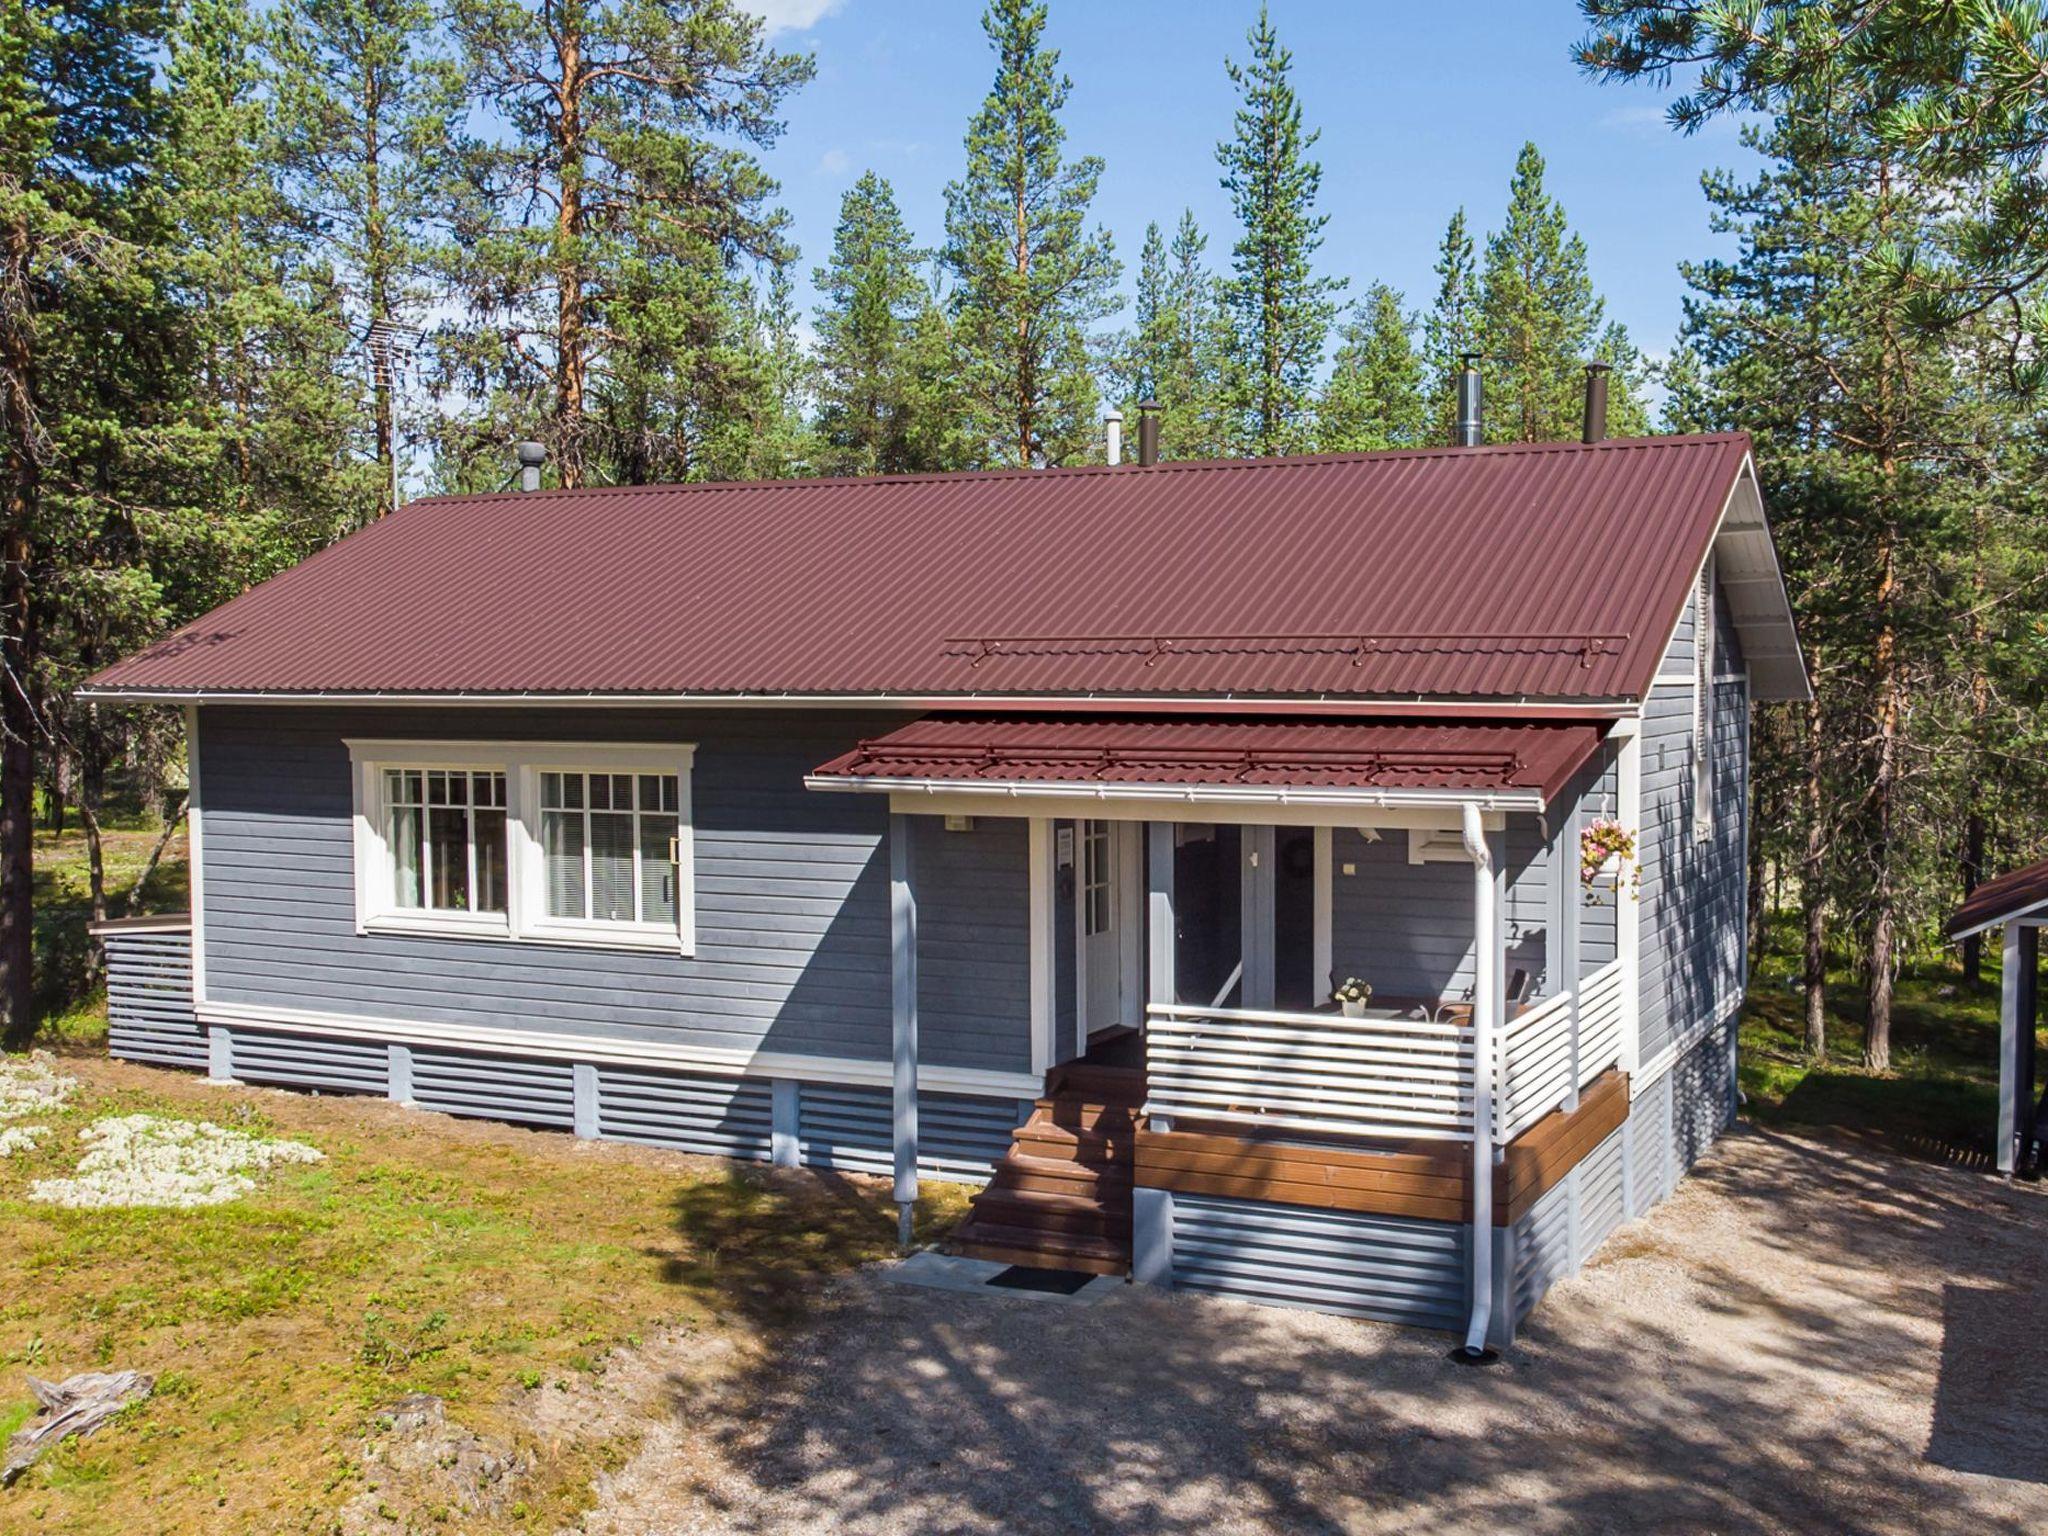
[1810, 1336]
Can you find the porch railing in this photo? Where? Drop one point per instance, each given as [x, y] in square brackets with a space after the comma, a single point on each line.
[1377, 1077]
[1310, 1071]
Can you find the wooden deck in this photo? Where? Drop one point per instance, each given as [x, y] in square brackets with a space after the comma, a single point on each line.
[1430, 1180]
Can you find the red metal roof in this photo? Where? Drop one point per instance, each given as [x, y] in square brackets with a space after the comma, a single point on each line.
[1097, 749]
[1552, 571]
[1996, 900]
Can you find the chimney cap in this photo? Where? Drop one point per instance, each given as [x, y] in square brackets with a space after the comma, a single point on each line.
[1112, 414]
[1148, 405]
[1598, 367]
[531, 455]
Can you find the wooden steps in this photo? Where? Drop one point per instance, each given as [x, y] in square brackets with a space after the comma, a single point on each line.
[1061, 1195]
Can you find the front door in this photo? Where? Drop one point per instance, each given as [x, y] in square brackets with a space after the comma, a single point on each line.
[1101, 951]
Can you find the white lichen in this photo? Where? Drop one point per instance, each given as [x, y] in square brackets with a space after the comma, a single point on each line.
[32, 1085]
[21, 1138]
[146, 1160]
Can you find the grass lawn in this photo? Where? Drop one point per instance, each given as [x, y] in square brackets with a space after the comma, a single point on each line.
[1941, 1097]
[487, 1265]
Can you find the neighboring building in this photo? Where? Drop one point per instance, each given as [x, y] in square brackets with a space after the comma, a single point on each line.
[837, 822]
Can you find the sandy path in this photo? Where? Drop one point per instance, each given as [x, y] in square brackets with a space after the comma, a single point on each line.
[1808, 1337]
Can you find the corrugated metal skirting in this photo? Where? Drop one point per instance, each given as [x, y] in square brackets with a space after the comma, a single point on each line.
[307, 1061]
[1380, 1267]
[851, 1129]
[149, 999]
[717, 1116]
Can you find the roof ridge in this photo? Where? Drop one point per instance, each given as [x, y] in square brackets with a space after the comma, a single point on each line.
[1078, 471]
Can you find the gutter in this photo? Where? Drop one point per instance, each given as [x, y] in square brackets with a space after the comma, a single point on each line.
[1191, 794]
[1486, 1002]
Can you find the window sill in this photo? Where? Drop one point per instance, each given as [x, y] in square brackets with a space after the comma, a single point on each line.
[444, 925]
[655, 939]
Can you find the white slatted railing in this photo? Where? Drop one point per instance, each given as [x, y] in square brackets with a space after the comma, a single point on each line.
[1377, 1076]
[1310, 1071]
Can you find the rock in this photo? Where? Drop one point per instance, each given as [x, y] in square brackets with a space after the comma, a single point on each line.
[77, 1405]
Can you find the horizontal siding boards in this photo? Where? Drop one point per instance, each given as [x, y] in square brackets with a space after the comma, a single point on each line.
[852, 1130]
[689, 1112]
[1692, 900]
[1595, 793]
[149, 999]
[521, 1090]
[1559, 1233]
[1650, 1174]
[973, 942]
[1407, 928]
[792, 893]
[1600, 1194]
[311, 1061]
[1385, 1268]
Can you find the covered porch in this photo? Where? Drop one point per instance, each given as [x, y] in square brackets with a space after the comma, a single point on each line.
[1197, 891]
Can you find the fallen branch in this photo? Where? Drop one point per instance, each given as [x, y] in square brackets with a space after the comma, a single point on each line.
[77, 1405]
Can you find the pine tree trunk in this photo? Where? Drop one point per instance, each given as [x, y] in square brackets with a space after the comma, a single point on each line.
[1973, 874]
[1812, 889]
[571, 365]
[376, 264]
[17, 641]
[1972, 862]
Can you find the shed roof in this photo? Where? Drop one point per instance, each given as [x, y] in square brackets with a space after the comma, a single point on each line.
[1153, 754]
[2020, 893]
[1543, 572]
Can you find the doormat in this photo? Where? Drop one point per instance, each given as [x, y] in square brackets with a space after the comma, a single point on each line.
[1061, 1282]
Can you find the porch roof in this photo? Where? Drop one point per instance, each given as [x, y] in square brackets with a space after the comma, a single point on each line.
[1525, 760]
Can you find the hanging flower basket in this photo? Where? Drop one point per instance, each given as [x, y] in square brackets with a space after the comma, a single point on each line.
[1604, 842]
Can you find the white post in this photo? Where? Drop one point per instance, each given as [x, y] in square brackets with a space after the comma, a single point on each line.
[1039, 851]
[1161, 986]
[1628, 914]
[1487, 994]
[1569, 964]
[903, 1019]
[1325, 903]
[1113, 438]
[2011, 998]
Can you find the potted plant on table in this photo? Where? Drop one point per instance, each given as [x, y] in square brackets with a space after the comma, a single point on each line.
[1352, 997]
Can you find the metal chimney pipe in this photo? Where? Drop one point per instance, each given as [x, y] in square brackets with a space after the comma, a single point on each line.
[1148, 432]
[1471, 423]
[1596, 401]
[531, 456]
[1113, 437]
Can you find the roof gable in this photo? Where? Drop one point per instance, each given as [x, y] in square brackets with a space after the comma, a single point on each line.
[1547, 571]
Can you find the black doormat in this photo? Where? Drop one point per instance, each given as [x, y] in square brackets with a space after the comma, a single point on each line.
[1060, 1282]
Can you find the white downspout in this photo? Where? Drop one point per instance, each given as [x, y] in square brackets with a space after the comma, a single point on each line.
[1486, 999]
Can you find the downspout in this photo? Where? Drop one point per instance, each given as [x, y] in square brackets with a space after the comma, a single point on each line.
[1486, 998]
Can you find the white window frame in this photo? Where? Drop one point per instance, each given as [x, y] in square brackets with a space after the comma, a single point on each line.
[527, 919]
[1703, 648]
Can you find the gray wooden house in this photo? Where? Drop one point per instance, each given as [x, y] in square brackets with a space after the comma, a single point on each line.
[1017, 828]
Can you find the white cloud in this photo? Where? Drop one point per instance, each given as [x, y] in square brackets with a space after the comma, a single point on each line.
[792, 15]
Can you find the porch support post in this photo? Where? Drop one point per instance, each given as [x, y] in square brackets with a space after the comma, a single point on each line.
[1152, 1209]
[1487, 997]
[1628, 914]
[1325, 901]
[1255, 914]
[2016, 1024]
[1044, 953]
[1567, 967]
[903, 1019]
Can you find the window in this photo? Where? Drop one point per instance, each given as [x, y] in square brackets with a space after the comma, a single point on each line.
[610, 842]
[586, 845]
[1703, 647]
[1098, 869]
[446, 832]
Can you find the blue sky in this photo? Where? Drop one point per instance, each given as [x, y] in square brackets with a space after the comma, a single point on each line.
[1422, 107]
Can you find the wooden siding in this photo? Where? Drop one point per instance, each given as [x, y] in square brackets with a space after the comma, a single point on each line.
[792, 896]
[973, 941]
[1691, 907]
[1421, 1180]
[149, 996]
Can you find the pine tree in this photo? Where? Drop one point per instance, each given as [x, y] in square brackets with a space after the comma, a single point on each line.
[630, 122]
[1176, 354]
[872, 298]
[78, 109]
[1451, 328]
[1031, 280]
[1280, 310]
[1628, 410]
[1538, 315]
[1375, 397]
[368, 105]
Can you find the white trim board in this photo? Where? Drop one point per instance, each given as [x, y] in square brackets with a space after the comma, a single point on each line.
[195, 862]
[553, 1046]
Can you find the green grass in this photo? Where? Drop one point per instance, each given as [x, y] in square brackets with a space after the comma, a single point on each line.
[1940, 1097]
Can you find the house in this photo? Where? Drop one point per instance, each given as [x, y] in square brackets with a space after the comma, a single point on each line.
[1016, 828]
[2017, 902]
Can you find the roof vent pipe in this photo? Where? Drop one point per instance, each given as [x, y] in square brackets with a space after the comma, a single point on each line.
[1113, 438]
[1471, 426]
[1148, 431]
[1596, 401]
[531, 456]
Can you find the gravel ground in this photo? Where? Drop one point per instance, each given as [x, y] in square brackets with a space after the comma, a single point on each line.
[1809, 1336]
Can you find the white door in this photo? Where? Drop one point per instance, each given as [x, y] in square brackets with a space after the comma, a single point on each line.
[1101, 954]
